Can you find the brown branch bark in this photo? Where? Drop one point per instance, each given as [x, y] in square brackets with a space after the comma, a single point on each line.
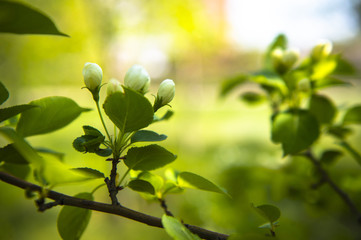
[106, 208]
[325, 178]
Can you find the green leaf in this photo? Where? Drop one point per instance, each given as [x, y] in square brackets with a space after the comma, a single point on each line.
[6, 113]
[141, 186]
[147, 136]
[51, 114]
[90, 142]
[148, 158]
[166, 116]
[269, 212]
[10, 154]
[156, 181]
[4, 94]
[353, 115]
[19, 170]
[279, 42]
[344, 67]
[47, 172]
[171, 187]
[89, 130]
[194, 181]
[295, 129]
[322, 108]
[330, 156]
[22, 19]
[176, 229]
[72, 221]
[355, 154]
[329, 82]
[56, 154]
[253, 98]
[90, 171]
[231, 83]
[340, 132]
[324, 68]
[130, 111]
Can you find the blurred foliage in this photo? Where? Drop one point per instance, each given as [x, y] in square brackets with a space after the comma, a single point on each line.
[223, 141]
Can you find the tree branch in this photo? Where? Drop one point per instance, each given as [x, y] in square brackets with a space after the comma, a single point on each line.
[325, 178]
[106, 208]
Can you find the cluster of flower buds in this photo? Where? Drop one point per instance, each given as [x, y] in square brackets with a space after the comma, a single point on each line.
[136, 78]
[322, 50]
[284, 60]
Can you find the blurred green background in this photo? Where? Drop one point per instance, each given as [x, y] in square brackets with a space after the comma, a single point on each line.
[197, 44]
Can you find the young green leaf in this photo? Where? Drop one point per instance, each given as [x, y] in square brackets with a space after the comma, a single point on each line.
[322, 108]
[22, 19]
[354, 153]
[340, 132]
[148, 158]
[141, 186]
[252, 98]
[90, 172]
[54, 153]
[129, 111]
[229, 84]
[51, 114]
[4, 94]
[156, 181]
[268, 212]
[295, 129]
[10, 154]
[90, 142]
[72, 221]
[6, 113]
[353, 115]
[330, 156]
[176, 229]
[324, 68]
[147, 136]
[166, 116]
[194, 181]
[329, 82]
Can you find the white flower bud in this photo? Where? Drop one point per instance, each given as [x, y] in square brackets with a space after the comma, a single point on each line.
[93, 75]
[137, 78]
[290, 57]
[114, 86]
[321, 50]
[166, 91]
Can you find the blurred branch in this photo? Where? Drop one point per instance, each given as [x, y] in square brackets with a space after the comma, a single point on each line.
[63, 199]
[325, 178]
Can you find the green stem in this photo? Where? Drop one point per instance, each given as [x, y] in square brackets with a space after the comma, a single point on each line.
[96, 188]
[125, 174]
[102, 120]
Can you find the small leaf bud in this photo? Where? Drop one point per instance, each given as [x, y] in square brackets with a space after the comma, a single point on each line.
[114, 86]
[137, 78]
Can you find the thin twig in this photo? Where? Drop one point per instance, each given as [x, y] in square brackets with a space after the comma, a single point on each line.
[106, 208]
[165, 207]
[325, 177]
